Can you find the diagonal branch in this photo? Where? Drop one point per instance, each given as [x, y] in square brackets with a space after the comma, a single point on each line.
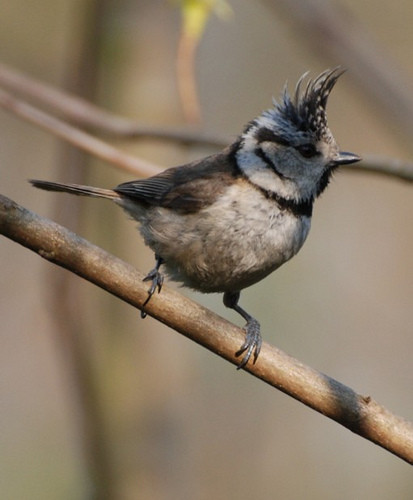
[360, 414]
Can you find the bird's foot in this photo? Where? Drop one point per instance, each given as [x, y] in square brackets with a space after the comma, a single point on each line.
[157, 281]
[252, 344]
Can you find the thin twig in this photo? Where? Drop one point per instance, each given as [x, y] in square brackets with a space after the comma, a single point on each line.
[86, 114]
[360, 414]
[391, 167]
[81, 112]
[77, 137]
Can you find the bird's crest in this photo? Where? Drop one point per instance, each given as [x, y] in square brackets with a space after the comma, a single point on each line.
[306, 109]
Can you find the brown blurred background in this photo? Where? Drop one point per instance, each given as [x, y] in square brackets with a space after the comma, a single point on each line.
[95, 402]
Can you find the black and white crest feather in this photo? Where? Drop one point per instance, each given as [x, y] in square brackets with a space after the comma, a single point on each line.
[305, 111]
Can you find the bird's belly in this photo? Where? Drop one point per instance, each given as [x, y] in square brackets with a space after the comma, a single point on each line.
[230, 253]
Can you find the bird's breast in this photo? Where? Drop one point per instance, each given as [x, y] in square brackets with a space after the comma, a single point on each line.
[235, 242]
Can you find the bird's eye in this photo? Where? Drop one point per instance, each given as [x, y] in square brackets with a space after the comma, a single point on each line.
[307, 150]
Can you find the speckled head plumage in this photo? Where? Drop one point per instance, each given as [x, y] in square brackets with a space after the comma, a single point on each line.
[305, 111]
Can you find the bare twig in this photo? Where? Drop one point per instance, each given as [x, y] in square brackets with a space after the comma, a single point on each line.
[371, 163]
[391, 167]
[77, 137]
[360, 414]
[85, 114]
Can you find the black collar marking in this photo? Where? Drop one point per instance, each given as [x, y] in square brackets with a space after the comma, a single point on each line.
[297, 208]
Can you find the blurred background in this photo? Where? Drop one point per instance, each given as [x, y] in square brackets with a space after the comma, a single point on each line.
[97, 403]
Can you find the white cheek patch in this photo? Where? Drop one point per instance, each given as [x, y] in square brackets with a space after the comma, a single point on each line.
[263, 176]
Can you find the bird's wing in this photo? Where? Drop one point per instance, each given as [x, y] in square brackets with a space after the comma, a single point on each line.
[187, 188]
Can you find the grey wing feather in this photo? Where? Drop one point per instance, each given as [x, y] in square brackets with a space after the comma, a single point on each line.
[149, 190]
[186, 188]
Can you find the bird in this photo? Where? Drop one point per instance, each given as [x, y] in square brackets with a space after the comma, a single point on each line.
[224, 222]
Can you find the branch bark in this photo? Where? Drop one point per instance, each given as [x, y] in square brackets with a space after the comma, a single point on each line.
[358, 413]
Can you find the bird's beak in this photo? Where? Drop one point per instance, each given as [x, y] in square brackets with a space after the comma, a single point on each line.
[344, 158]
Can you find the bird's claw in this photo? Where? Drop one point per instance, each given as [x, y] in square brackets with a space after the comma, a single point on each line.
[252, 344]
[157, 281]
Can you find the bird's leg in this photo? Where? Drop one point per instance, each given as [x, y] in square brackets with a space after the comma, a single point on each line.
[253, 338]
[157, 281]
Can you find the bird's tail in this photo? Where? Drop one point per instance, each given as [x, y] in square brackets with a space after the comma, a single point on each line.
[75, 189]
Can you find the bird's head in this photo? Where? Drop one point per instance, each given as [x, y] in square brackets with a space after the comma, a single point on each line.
[289, 149]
